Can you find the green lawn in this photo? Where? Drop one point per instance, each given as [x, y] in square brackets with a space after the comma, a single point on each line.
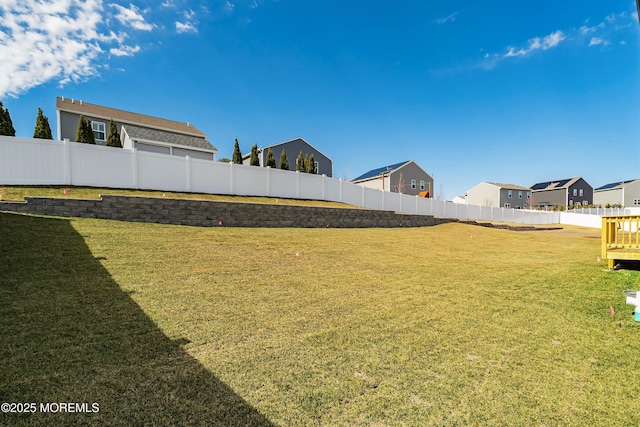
[18, 193]
[446, 325]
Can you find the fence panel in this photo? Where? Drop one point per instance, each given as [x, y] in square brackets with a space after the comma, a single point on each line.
[311, 186]
[161, 172]
[101, 166]
[28, 161]
[282, 183]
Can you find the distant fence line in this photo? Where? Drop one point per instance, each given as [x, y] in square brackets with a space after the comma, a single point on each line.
[26, 161]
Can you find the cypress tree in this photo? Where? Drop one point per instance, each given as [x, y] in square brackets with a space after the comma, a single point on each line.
[89, 137]
[300, 163]
[42, 129]
[284, 162]
[307, 164]
[312, 164]
[271, 159]
[254, 161]
[80, 129]
[237, 155]
[113, 140]
[6, 125]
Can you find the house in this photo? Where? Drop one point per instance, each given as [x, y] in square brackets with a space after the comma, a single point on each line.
[624, 194]
[499, 195]
[405, 177]
[138, 131]
[293, 147]
[562, 192]
[460, 200]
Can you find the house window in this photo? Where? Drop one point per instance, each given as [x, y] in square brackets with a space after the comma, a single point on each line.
[528, 194]
[636, 202]
[413, 184]
[510, 194]
[317, 168]
[507, 205]
[570, 202]
[519, 194]
[575, 191]
[98, 131]
[585, 203]
[422, 184]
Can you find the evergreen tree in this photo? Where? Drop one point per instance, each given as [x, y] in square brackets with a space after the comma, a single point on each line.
[300, 163]
[84, 133]
[6, 125]
[237, 155]
[254, 161]
[89, 136]
[312, 165]
[284, 162]
[307, 164]
[113, 140]
[80, 129]
[271, 159]
[42, 129]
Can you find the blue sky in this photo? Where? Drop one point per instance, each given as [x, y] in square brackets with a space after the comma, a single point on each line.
[514, 92]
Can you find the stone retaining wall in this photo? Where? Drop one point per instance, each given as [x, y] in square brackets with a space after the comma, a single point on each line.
[211, 213]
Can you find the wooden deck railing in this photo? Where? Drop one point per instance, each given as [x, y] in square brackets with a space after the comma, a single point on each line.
[620, 238]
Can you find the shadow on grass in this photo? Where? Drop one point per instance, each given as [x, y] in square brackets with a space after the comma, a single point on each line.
[70, 334]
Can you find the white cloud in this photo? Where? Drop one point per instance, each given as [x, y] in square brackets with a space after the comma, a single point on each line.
[124, 50]
[228, 6]
[168, 3]
[255, 4]
[185, 27]
[595, 41]
[553, 39]
[588, 30]
[189, 14]
[450, 18]
[130, 16]
[44, 40]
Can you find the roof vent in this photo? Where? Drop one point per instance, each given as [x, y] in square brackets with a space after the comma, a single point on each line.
[62, 97]
[72, 100]
[81, 102]
[188, 124]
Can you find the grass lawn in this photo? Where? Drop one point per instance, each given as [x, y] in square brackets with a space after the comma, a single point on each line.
[18, 193]
[446, 325]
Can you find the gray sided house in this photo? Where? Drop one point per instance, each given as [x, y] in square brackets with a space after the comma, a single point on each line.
[562, 192]
[145, 133]
[292, 148]
[624, 194]
[405, 177]
[499, 195]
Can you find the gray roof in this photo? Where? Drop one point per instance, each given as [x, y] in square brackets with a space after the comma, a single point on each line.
[376, 172]
[509, 186]
[619, 184]
[554, 185]
[138, 132]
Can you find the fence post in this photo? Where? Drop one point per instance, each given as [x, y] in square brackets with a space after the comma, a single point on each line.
[67, 161]
[268, 181]
[340, 190]
[297, 184]
[362, 203]
[188, 160]
[134, 158]
[231, 167]
[417, 204]
[324, 187]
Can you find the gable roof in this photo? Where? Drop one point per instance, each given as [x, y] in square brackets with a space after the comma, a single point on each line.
[173, 138]
[554, 185]
[261, 149]
[509, 186]
[616, 184]
[376, 172]
[121, 116]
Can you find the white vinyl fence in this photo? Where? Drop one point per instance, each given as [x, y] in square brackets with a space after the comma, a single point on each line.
[25, 161]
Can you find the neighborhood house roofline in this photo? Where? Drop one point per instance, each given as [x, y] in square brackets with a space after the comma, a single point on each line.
[166, 144]
[555, 185]
[187, 142]
[261, 149]
[375, 173]
[121, 116]
[616, 185]
[509, 186]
